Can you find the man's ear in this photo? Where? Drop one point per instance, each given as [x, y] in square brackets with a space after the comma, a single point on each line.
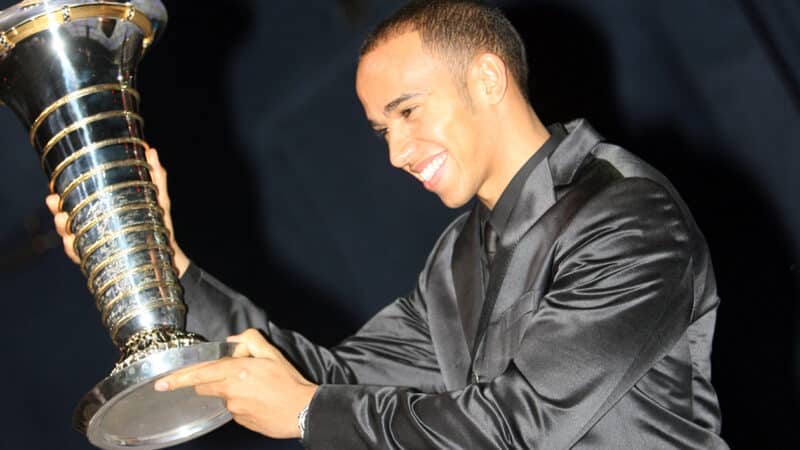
[487, 78]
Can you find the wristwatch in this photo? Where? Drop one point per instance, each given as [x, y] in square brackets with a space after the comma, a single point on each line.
[302, 419]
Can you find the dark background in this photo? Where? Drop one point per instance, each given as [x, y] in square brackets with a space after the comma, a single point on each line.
[281, 191]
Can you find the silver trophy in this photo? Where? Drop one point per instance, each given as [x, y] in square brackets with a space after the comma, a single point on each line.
[67, 69]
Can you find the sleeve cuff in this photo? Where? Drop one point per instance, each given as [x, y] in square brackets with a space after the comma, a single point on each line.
[191, 276]
[339, 417]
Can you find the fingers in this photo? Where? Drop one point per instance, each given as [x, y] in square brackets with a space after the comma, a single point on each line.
[212, 372]
[252, 343]
[67, 238]
[159, 175]
[241, 350]
[69, 248]
[210, 389]
[60, 221]
[59, 217]
[52, 203]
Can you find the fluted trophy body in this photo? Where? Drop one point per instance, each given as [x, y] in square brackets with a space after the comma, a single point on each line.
[68, 71]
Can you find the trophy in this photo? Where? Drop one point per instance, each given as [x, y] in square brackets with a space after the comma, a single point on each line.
[67, 70]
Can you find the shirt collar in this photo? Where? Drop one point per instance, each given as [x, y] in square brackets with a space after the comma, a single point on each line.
[502, 209]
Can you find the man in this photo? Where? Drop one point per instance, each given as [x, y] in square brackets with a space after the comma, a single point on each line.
[573, 306]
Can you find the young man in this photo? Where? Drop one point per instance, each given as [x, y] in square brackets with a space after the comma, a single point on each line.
[574, 306]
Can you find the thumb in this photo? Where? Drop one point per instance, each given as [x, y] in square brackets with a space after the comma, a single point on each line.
[252, 343]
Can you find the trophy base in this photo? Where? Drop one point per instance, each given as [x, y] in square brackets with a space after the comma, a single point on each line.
[124, 411]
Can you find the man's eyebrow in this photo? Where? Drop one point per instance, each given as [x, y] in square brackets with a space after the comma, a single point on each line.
[392, 105]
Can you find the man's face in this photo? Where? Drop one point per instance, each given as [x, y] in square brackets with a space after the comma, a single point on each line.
[412, 100]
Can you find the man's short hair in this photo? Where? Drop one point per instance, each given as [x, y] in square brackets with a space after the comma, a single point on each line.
[457, 30]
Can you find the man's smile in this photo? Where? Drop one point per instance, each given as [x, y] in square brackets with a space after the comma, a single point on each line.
[429, 167]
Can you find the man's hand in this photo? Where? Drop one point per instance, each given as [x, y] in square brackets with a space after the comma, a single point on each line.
[159, 177]
[261, 389]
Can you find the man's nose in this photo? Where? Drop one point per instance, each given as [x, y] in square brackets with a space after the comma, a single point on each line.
[401, 148]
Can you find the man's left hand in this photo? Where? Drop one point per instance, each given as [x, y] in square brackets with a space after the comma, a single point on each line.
[261, 389]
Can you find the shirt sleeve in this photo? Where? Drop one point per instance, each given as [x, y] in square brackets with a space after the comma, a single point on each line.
[393, 348]
[620, 298]
[214, 310]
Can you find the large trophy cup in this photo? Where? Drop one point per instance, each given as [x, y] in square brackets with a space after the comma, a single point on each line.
[67, 69]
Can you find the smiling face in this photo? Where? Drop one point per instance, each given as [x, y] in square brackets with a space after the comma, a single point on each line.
[433, 131]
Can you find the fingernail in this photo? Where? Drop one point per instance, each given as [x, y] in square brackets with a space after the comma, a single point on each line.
[162, 385]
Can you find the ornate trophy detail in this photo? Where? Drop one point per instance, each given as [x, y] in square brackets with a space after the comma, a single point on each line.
[67, 69]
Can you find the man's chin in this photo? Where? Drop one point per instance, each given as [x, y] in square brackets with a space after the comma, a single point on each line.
[453, 202]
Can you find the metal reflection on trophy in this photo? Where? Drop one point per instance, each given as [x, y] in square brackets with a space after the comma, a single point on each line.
[67, 70]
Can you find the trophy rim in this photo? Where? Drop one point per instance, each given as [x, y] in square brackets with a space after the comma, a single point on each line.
[29, 17]
[101, 400]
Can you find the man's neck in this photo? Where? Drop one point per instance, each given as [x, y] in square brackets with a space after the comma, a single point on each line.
[519, 135]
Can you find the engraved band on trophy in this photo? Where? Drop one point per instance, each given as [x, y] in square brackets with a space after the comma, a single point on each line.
[67, 70]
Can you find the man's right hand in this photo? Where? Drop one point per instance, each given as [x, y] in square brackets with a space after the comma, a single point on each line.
[159, 177]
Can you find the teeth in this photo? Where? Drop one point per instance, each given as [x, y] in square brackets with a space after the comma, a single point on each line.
[430, 169]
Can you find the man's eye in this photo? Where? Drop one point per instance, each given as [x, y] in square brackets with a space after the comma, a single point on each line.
[381, 133]
[407, 112]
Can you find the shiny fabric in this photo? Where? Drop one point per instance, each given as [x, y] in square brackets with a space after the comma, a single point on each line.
[501, 212]
[601, 309]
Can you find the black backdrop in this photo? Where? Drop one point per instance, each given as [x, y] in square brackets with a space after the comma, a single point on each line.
[281, 191]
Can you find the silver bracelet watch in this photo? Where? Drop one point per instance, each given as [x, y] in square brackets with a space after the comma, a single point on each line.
[302, 418]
